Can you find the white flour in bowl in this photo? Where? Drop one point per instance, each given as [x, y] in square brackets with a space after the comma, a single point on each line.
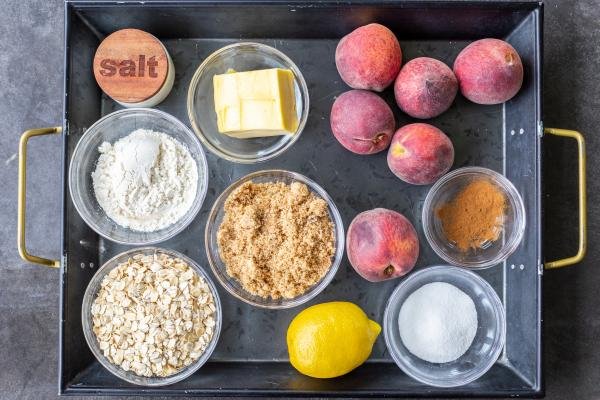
[145, 181]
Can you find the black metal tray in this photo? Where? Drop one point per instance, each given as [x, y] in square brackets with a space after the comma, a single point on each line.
[251, 355]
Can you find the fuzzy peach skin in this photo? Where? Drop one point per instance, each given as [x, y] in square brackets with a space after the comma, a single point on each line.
[369, 57]
[362, 122]
[489, 71]
[420, 154]
[382, 244]
[425, 88]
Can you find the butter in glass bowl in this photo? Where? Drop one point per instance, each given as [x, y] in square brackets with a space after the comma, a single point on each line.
[251, 60]
[257, 103]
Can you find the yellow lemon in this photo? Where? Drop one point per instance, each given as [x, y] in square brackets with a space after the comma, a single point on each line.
[330, 339]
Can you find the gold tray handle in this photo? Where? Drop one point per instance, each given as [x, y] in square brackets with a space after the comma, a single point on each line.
[22, 187]
[582, 199]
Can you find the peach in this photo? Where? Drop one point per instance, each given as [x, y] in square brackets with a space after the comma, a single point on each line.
[382, 244]
[420, 153]
[362, 122]
[425, 88]
[369, 57]
[489, 71]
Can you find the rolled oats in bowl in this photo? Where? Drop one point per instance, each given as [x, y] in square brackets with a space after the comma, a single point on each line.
[151, 316]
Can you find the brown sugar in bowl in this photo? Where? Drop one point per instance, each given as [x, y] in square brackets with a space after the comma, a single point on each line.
[219, 266]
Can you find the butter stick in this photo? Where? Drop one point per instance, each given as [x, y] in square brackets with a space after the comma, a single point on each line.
[255, 103]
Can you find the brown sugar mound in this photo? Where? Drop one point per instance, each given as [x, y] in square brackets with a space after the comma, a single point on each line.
[276, 239]
[475, 216]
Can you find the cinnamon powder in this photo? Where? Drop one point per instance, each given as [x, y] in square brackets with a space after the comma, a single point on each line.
[475, 216]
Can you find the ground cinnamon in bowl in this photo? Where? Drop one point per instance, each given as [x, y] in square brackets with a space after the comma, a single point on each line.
[276, 239]
[475, 216]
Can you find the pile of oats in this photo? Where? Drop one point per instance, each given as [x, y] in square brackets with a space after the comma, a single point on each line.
[153, 315]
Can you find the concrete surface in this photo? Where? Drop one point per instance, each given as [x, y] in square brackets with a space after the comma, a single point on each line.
[31, 40]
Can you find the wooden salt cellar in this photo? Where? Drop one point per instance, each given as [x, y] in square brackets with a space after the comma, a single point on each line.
[134, 68]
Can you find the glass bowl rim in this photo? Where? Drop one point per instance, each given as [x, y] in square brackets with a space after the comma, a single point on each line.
[116, 370]
[313, 291]
[202, 181]
[508, 189]
[200, 133]
[492, 296]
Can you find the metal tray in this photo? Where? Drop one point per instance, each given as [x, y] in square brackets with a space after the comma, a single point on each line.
[251, 355]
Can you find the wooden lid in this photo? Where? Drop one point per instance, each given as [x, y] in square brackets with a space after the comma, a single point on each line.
[131, 65]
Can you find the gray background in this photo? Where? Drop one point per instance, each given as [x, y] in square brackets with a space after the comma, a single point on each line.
[31, 39]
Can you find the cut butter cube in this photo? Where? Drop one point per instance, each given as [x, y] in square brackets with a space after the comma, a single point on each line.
[255, 103]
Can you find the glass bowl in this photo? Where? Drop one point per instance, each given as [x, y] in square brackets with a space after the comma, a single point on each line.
[90, 337]
[491, 253]
[201, 105]
[109, 129]
[218, 266]
[486, 346]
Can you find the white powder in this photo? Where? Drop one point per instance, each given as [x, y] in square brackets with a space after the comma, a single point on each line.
[438, 322]
[145, 181]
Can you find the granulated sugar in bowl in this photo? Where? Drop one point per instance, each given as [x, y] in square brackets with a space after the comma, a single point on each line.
[438, 322]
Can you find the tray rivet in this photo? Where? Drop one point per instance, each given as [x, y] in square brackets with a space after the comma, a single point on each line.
[82, 265]
[521, 131]
[512, 132]
[521, 267]
[512, 266]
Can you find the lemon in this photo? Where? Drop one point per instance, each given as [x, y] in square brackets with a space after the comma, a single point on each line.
[330, 339]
